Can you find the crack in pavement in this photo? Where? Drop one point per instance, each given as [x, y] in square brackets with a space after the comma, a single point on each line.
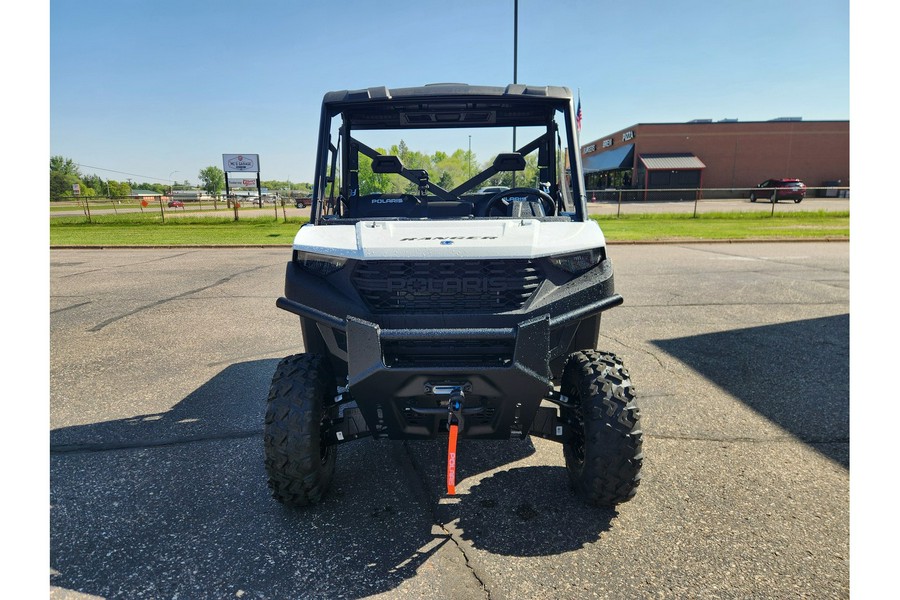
[748, 440]
[53, 312]
[762, 258]
[636, 349]
[429, 502]
[141, 262]
[174, 441]
[222, 281]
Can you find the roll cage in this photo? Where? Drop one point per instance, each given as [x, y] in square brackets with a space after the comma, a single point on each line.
[336, 187]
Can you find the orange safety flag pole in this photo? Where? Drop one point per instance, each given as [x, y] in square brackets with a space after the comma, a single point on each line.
[451, 461]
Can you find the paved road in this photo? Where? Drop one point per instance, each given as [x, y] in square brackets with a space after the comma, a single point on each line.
[159, 371]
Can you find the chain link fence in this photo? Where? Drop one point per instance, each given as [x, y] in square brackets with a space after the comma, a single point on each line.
[623, 201]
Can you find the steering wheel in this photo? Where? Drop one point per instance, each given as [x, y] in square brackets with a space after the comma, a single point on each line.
[505, 200]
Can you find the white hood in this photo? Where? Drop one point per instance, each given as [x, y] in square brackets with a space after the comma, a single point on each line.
[507, 238]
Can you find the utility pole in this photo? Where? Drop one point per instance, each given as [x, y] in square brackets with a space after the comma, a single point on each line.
[515, 66]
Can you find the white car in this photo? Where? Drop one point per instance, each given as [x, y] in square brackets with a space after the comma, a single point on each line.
[495, 189]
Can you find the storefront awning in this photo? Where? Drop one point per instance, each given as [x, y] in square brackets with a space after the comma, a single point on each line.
[611, 160]
[675, 162]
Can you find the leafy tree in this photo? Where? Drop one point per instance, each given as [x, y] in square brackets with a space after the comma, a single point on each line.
[61, 184]
[526, 178]
[66, 166]
[119, 189]
[95, 184]
[446, 181]
[64, 174]
[371, 182]
[213, 179]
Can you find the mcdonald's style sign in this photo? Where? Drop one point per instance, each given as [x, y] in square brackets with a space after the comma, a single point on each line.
[247, 163]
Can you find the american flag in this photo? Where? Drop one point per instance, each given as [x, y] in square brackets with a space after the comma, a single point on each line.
[578, 114]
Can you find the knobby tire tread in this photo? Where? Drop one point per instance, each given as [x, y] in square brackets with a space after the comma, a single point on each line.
[298, 473]
[604, 461]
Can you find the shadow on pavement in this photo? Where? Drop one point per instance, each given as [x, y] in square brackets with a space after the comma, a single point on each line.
[795, 374]
[529, 511]
[176, 504]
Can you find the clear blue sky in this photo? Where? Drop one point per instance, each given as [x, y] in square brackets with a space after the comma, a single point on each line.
[148, 88]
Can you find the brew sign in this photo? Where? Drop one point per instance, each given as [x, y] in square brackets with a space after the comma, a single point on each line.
[607, 142]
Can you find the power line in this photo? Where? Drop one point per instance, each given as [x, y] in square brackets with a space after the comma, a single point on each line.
[122, 172]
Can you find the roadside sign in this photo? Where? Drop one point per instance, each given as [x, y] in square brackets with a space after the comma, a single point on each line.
[76, 189]
[248, 163]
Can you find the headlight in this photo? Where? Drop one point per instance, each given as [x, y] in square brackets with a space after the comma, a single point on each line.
[320, 264]
[579, 261]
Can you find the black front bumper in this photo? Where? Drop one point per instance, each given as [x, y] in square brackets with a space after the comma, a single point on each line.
[399, 372]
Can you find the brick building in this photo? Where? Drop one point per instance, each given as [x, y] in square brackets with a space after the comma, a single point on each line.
[722, 157]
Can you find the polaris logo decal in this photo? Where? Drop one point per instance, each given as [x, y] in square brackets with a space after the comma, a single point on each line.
[449, 285]
[456, 237]
[387, 200]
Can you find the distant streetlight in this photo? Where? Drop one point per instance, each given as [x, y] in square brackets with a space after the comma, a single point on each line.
[172, 187]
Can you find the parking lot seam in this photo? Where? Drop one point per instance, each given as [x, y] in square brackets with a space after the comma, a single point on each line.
[432, 502]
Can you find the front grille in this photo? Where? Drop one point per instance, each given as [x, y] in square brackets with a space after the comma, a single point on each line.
[448, 353]
[446, 286]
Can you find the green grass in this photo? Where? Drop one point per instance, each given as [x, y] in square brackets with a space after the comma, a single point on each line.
[146, 229]
[726, 226]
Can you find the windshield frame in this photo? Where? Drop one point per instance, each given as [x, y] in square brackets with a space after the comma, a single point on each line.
[459, 107]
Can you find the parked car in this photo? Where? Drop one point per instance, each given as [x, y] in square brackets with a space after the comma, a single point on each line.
[176, 204]
[494, 189]
[780, 189]
[303, 202]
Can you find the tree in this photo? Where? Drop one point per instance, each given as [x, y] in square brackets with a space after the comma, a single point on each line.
[61, 184]
[63, 175]
[119, 189]
[66, 166]
[369, 181]
[213, 179]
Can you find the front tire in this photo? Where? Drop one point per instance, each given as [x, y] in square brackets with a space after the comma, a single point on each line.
[603, 457]
[299, 467]
[752, 197]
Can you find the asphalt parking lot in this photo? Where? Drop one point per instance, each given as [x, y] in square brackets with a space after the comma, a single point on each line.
[159, 370]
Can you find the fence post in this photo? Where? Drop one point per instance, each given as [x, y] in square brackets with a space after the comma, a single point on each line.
[619, 209]
[87, 209]
[696, 201]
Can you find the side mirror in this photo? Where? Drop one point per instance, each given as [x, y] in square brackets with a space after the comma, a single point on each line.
[387, 164]
[509, 161]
